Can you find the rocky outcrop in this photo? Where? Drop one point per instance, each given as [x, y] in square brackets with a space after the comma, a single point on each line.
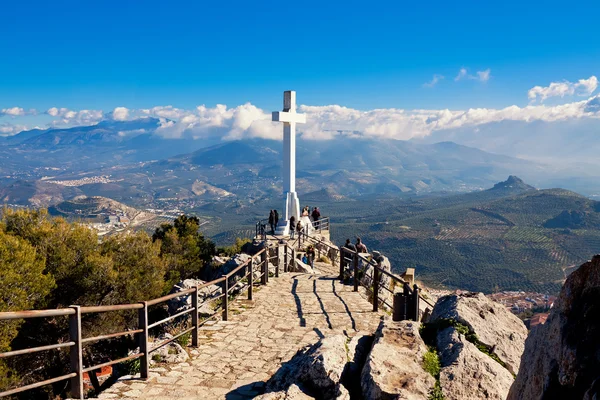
[466, 372]
[393, 369]
[292, 393]
[179, 304]
[299, 266]
[384, 281]
[316, 369]
[494, 325]
[562, 357]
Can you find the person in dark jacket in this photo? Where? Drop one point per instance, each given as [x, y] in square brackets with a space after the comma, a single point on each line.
[276, 217]
[315, 216]
[292, 227]
[346, 255]
[310, 253]
[272, 222]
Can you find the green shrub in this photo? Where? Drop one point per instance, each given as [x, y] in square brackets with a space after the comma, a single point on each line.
[132, 367]
[431, 363]
[324, 259]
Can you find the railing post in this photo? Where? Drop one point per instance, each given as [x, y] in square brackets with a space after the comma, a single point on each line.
[143, 340]
[195, 317]
[293, 260]
[376, 287]
[415, 302]
[76, 353]
[355, 262]
[265, 268]
[251, 279]
[226, 299]
[407, 300]
[341, 261]
[278, 261]
[285, 258]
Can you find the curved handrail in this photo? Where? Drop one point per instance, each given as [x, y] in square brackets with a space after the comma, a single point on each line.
[77, 311]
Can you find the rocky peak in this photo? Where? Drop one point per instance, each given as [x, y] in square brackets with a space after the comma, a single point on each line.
[513, 184]
[562, 357]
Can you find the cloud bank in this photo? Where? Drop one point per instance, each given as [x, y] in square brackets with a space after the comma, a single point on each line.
[324, 122]
[583, 87]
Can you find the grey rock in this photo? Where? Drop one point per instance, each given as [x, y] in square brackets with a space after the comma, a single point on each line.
[292, 393]
[393, 369]
[179, 304]
[467, 373]
[562, 356]
[493, 324]
[171, 353]
[299, 266]
[317, 368]
[384, 281]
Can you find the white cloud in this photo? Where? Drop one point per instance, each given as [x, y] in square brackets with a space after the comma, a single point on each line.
[70, 117]
[583, 87]
[481, 76]
[169, 112]
[17, 112]
[434, 81]
[462, 74]
[120, 114]
[484, 76]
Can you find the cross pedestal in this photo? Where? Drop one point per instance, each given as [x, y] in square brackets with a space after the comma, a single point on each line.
[290, 118]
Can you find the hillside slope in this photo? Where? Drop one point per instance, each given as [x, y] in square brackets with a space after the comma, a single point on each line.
[502, 238]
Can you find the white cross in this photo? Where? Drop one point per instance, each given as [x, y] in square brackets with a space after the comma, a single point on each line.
[290, 118]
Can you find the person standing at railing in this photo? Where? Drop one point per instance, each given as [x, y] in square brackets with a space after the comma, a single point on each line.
[276, 217]
[360, 246]
[310, 254]
[292, 227]
[299, 227]
[272, 221]
[348, 245]
[316, 215]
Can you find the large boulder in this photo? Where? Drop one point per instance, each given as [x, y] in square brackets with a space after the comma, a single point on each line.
[317, 369]
[494, 325]
[253, 247]
[181, 303]
[562, 356]
[384, 281]
[393, 369]
[466, 372]
[299, 266]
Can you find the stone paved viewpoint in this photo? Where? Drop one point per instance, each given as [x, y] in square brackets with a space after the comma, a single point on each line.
[235, 359]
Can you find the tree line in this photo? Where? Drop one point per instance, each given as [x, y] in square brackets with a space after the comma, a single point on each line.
[50, 263]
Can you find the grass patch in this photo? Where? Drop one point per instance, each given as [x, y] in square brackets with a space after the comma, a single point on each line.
[429, 333]
[431, 364]
[324, 259]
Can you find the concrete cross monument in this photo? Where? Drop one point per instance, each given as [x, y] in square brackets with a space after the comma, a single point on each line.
[290, 118]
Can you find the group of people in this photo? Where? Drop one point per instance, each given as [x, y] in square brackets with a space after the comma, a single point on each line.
[359, 247]
[273, 220]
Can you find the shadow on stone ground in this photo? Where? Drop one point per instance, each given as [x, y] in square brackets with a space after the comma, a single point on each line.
[350, 378]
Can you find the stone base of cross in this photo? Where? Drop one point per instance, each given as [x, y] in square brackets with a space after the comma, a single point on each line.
[292, 207]
[290, 118]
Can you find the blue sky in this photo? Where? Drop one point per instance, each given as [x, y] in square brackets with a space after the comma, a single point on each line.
[364, 55]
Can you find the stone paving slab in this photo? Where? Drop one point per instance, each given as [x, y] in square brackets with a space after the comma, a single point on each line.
[234, 359]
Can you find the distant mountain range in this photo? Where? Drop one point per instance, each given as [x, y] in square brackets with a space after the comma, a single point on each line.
[145, 168]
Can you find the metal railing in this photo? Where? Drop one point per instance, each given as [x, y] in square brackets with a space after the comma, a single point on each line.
[259, 262]
[348, 260]
[262, 226]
